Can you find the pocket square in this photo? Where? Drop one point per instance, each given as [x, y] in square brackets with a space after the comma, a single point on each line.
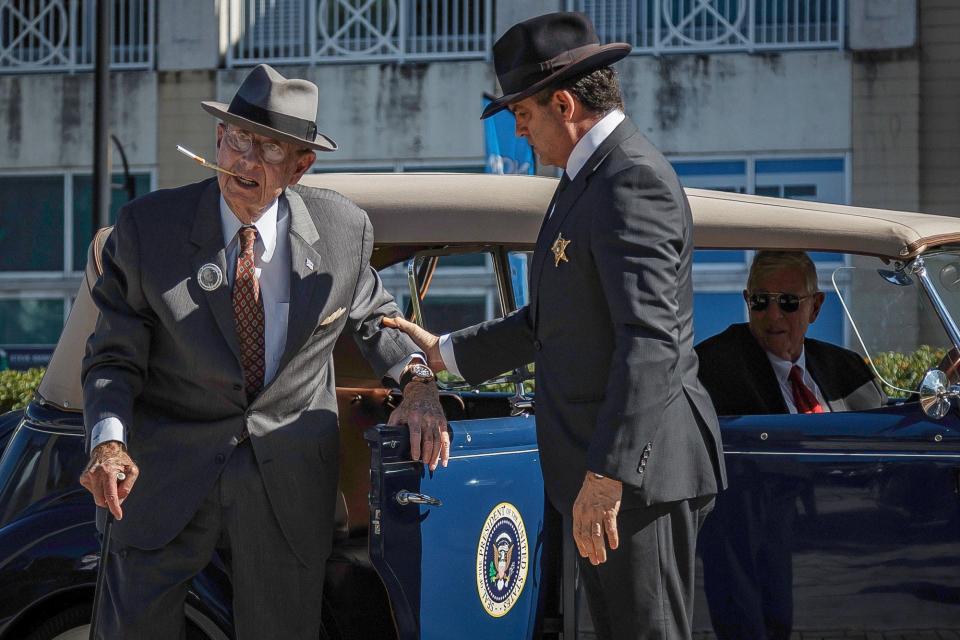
[333, 316]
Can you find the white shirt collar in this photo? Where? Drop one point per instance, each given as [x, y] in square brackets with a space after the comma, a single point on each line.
[266, 227]
[591, 140]
[782, 367]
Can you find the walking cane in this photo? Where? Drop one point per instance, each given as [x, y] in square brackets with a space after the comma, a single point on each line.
[102, 568]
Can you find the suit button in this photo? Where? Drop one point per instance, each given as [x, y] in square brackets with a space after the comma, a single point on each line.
[537, 345]
[220, 458]
[238, 387]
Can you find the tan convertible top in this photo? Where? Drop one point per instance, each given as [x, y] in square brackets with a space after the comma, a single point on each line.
[414, 208]
[431, 209]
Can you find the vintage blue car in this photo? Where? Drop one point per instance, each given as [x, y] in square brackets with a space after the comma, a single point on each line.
[838, 523]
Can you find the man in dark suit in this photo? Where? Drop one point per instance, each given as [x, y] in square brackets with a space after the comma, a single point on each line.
[769, 365]
[628, 439]
[209, 382]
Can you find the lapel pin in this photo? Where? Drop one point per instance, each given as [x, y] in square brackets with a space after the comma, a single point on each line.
[559, 249]
[210, 277]
[309, 263]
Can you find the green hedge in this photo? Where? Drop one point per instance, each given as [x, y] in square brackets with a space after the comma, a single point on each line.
[16, 388]
[906, 370]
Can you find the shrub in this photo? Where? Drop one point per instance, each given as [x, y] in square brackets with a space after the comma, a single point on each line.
[906, 370]
[17, 387]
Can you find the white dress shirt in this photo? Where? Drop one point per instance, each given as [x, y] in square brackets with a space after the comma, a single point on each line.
[582, 151]
[781, 368]
[272, 265]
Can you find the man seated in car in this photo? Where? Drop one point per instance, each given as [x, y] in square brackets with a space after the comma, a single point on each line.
[769, 365]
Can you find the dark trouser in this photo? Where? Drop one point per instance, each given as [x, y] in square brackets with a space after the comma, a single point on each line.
[274, 594]
[645, 588]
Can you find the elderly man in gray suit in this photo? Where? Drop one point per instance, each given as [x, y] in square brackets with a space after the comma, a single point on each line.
[629, 442]
[208, 383]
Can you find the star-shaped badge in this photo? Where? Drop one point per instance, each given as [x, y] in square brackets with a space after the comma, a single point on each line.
[559, 249]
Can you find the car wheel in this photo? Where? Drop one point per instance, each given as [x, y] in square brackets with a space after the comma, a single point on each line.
[69, 624]
[74, 624]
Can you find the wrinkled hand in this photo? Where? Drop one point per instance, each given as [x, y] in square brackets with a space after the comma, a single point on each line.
[420, 410]
[100, 477]
[595, 512]
[428, 343]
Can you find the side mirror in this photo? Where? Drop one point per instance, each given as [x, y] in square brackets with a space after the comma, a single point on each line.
[935, 395]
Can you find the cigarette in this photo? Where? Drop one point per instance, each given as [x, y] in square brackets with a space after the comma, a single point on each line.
[204, 163]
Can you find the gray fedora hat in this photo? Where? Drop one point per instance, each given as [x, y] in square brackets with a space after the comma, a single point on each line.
[271, 105]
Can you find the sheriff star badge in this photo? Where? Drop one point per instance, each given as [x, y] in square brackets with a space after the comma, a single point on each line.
[559, 249]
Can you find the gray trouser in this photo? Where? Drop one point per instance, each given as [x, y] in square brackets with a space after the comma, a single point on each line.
[645, 588]
[274, 594]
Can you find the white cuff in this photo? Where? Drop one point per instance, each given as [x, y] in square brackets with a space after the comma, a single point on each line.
[446, 353]
[397, 370]
[106, 430]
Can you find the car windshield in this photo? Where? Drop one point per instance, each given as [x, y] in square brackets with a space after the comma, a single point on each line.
[894, 321]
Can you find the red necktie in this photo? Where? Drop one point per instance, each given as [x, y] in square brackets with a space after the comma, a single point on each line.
[248, 314]
[803, 398]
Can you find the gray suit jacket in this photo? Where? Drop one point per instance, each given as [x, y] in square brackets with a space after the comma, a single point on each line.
[736, 371]
[611, 334]
[164, 360]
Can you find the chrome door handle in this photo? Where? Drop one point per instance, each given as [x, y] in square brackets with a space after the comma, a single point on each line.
[405, 497]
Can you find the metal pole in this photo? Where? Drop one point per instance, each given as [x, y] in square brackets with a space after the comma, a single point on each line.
[101, 125]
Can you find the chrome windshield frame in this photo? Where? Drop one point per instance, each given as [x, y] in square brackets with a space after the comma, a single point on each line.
[918, 268]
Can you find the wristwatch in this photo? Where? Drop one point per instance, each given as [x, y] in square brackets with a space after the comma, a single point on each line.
[416, 372]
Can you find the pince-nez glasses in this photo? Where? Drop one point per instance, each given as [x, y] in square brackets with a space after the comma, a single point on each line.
[788, 302]
[241, 141]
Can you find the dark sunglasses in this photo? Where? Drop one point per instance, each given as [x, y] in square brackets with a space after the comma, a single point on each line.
[788, 302]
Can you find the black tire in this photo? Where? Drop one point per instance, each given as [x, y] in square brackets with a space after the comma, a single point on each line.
[75, 618]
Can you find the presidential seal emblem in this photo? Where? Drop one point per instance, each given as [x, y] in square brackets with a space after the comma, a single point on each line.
[210, 277]
[503, 557]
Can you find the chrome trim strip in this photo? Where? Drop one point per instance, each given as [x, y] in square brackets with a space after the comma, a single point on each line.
[65, 432]
[472, 455]
[838, 454]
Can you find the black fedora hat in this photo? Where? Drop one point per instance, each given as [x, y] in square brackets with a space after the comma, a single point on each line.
[271, 105]
[541, 51]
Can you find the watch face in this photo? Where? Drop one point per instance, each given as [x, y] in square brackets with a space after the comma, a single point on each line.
[421, 371]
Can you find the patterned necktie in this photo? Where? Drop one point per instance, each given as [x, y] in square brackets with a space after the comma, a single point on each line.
[248, 314]
[803, 398]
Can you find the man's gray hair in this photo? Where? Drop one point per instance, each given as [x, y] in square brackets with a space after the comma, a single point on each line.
[766, 263]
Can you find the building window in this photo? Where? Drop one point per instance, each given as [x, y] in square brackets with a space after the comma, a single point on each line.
[45, 228]
[31, 223]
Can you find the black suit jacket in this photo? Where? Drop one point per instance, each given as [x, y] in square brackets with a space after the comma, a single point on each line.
[611, 333]
[736, 371]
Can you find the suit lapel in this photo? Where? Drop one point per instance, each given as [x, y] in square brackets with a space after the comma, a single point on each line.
[310, 277]
[565, 203]
[207, 237]
[822, 377]
[767, 391]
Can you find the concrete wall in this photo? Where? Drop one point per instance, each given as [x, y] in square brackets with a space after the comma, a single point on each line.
[378, 113]
[46, 120]
[886, 130]
[187, 34]
[732, 103]
[940, 106]
[181, 120]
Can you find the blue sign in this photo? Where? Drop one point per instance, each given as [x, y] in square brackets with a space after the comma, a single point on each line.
[23, 358]
[518, 275]
[506, 153]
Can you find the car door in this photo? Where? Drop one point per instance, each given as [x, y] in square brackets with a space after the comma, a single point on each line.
[459, 548]
[847, 520]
